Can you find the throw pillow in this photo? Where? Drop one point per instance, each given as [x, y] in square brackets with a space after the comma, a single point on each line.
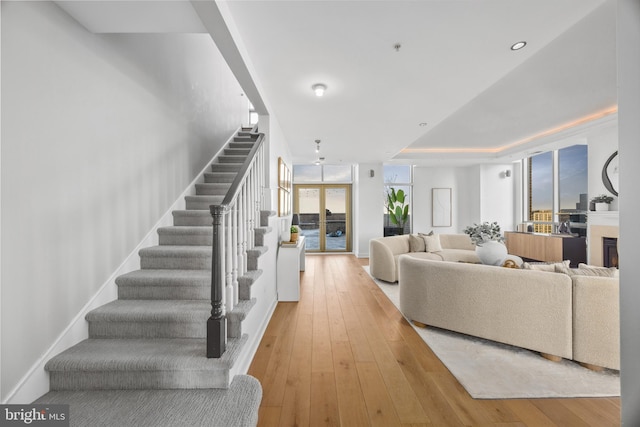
[566, 270]
[416, 243]
[432, 243]
[546, 266]
[427, 234]
[592, 270]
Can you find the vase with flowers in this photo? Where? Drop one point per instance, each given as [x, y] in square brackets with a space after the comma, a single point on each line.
[489, 242]
[601, 202]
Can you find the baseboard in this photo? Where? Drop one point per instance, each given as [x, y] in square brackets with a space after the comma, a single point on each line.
[36, 382]
[243, 364]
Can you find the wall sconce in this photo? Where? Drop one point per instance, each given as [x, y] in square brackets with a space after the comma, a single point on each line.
[317, 145]
[505, 174]
[319, 88]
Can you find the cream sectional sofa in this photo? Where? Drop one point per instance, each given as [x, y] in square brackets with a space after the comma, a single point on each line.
[574, 317]
[384, 252]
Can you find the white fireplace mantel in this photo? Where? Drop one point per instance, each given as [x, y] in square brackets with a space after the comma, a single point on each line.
[603, 218]
[599, 225]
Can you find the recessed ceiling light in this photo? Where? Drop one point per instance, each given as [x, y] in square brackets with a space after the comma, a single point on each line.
[518, 46]
[319, 88]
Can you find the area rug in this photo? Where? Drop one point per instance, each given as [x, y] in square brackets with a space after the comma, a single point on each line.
[490, 370]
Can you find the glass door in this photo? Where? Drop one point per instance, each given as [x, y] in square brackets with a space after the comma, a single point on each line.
[325, 216]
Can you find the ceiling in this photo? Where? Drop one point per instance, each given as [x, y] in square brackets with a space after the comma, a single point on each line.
[454, 70]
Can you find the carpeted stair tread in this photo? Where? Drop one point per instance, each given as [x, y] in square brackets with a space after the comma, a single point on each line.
[237, 151]
[165, 284]
[177, 251]
[236, 406]
[237, 315]
[264, 217]
[231, 158]
[226, 167]
[186, 235]
[212, 189]
[202, 202]
[143, 354]
[260, 233]
[127, 364]
[176, 257]
[150, 319]
[219, 177]
[246, 281]
[199, 218]
[151, 311]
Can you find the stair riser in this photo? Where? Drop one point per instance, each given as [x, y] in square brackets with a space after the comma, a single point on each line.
[198, 221]
[219, 177]
[198, 205]
[211, 190]
[138, 380]
[149, 329]
[186, 263]
[164, 292]
[186, 240]
[225, 167]
[242, 142]
[237, 151]
[232, 159]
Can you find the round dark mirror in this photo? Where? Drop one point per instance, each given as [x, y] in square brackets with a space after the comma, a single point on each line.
[610, 174]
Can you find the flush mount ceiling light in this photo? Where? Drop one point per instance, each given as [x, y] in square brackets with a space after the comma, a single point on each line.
[317, 145]
[319, 88]
[518, 46]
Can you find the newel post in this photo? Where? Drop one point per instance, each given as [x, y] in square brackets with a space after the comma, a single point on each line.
[217, 323]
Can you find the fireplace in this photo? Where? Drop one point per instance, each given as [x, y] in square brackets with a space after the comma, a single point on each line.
[610, 252]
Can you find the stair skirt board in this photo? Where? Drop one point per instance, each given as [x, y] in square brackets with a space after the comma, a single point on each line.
[153, 336]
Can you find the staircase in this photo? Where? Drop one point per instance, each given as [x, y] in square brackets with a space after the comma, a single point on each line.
[154, 335]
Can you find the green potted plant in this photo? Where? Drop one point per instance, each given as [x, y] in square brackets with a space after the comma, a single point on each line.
[601, 202]
[488, 240]
[398, 210]
[294, 233]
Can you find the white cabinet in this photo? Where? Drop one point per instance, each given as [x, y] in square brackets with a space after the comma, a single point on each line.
[290, 264]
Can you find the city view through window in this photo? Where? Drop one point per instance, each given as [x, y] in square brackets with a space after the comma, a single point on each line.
[571, 175]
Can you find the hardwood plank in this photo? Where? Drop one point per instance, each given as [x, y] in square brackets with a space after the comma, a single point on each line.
[351, 404]
[362, 352]
[296, 402]
[321, 360]
[528, 413]
[433, 402]
[594, 416]
[559, 413]
[324, 400]
[468, 410]
[404, 399]
[379, 404]
[268, 416]
[261, 360]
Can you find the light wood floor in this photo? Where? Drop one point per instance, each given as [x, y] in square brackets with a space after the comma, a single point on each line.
[345, 356]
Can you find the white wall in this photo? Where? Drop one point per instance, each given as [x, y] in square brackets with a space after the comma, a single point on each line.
[497, 195]
[479, 193]
[628, 45]
[368, 215]
[100, 134]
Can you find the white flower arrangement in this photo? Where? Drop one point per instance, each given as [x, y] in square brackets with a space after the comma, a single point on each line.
[481, 233]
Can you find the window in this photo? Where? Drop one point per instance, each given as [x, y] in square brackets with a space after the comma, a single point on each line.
[572, 176]
[541, 192]
[322, 173]
[397, 177]
[557, 189]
